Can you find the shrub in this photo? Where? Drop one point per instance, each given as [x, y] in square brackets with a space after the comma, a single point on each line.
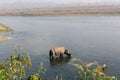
[91, 71]
[14, 66]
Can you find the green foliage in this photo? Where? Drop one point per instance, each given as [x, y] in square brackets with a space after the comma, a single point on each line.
[37, 75]
[14, 66]
[4, 75]
[90, 71]
[33, 77]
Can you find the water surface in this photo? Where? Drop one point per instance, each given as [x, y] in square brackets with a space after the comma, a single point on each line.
[88, 38]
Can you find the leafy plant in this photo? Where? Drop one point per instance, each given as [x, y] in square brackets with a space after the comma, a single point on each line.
[90, 71]
[37, 75]
[4, 75]
[14, 66]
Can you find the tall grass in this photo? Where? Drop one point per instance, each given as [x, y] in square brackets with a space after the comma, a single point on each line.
[91, 71]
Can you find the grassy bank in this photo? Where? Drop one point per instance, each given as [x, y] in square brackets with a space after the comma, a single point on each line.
[4, 28]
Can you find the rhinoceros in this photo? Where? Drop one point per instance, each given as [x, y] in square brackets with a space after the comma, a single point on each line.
[58, 51]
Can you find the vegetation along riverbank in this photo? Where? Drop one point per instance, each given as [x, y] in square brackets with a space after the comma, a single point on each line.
[64, 11]
[3, 30]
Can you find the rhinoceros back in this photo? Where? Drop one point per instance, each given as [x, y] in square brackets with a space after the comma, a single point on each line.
[58, 50]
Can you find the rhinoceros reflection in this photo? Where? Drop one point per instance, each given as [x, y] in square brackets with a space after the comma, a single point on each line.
[60, 61]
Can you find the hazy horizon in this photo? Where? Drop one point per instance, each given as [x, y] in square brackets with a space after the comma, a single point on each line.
[54, 3]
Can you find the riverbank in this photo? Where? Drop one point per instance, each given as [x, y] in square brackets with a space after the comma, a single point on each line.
[4, 28]
[63, 11]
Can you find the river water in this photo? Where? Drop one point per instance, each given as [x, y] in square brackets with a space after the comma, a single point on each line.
[88, 38]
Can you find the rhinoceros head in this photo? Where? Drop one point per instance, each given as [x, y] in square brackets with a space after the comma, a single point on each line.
[67, 52]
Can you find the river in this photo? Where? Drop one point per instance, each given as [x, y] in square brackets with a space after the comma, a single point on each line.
[89, 38]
